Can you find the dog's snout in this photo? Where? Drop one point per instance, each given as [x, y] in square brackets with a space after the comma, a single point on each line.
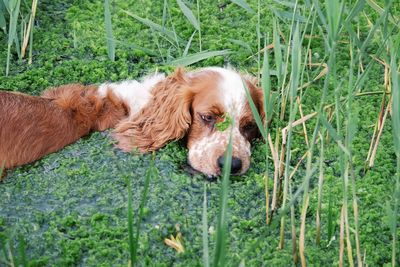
[235, 167]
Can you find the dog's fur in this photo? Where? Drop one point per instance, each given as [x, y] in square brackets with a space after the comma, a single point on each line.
[32, 126]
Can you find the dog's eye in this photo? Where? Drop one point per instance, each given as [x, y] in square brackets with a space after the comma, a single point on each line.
[208, 118]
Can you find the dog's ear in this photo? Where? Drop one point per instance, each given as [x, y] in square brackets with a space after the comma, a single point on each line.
[166, 117]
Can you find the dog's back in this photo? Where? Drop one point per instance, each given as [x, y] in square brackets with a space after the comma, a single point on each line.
[32, 127]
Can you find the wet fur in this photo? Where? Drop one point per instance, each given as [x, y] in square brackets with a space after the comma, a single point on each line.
[32, 126]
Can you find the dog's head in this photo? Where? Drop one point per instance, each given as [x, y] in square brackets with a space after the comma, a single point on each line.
[206, 106]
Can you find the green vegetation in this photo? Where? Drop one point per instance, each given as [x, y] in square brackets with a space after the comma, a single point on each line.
[324, 185]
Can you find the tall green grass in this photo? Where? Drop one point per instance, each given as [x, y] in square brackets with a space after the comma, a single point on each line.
[13, 11]
[109, 31]
[334, 19]
[336, 23]
[206, 259]
[393, 213]
[174, 38]
[220, 253]
[134, 230]
[20, 23]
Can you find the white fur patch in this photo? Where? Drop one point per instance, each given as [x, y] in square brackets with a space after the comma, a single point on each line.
[204, 153]
[134, 94]
[233, 94]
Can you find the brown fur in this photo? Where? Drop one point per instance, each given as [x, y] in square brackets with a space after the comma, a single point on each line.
[32, 127]
[166, 117]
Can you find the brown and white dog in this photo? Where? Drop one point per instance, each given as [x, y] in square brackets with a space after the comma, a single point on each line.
[146, 115]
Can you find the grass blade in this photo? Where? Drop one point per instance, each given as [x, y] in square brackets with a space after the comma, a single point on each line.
[191, 59]
[242, 44]
[284, 15]
[320, 184]
[380, 10]
[395, 77]
[277, 52]
[189, 14]
[221, 232]
[332, 132]
[255, 113]
[164, 16]
[186, 51]
[22, 251]
[321, 15]
[333, 10]
[244, 5]
[170, 35]
[136, 47]
[396, 97]
[13, 10]
[206, 260]
[28, 36]
[130, 224]
[380, 20]
[3, 23]
[109, 31]
[151, 173]
[198, 19]
[358, 7]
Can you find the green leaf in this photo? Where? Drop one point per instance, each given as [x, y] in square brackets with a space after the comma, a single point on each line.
[206, 260]
[334, 10]
[391, 217]
[189, 14]
[164, 16]
[170, 35]
[254, 110]
[286, 3]
[191, 59]
[13, 9]
[137, 47]
[358, 7]
[266, 86]
[332, 132]
[394, 50]
[222, 224]
[321, 15]
[380, 10]
[185, 52]
[3, 23]
[151, 173]
[296, 61]
[223, 125]
[244, 5]
[284, 15]
[277, 53]
[109, 31]
[352, 128]
[242, 44]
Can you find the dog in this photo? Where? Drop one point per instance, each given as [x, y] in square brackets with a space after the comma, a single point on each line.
[191, 105]
[146, 115]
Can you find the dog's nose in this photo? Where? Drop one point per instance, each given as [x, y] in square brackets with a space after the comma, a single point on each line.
[236, 164]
